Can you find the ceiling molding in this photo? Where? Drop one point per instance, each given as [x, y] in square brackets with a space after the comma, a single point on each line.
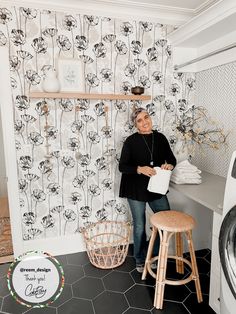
[116, 9]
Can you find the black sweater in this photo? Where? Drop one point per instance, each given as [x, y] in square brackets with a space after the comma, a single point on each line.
[136, 153]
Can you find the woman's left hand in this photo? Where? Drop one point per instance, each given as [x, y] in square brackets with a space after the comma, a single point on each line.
[167, 166]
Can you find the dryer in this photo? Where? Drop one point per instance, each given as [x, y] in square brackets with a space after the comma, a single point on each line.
[227, 243]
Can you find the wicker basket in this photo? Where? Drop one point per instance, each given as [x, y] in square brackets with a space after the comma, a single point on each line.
[107, 243]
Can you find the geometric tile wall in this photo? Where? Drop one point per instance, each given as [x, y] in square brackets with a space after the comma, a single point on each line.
[216, 91]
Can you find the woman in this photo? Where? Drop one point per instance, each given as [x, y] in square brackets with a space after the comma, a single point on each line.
[141, 152]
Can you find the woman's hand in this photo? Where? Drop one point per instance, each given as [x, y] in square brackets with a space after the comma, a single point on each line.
[167, 166]
[147, 171]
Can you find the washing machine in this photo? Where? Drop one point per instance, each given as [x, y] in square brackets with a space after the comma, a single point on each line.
[227, 243]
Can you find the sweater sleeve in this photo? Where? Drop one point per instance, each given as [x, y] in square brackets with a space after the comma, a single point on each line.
[170, 158]
[125, 163]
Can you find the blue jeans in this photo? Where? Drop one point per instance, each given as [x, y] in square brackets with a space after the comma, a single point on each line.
[138, 209]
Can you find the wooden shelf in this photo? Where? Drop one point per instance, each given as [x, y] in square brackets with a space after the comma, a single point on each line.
[89, 96]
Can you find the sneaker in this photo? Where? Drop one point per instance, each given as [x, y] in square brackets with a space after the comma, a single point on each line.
[140, 268]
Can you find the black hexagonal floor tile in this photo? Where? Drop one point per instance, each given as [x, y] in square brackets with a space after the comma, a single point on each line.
[140, 296]
[61, 259]
[133, 310]
[204, 281]
[171, 272]
[65, 296]
[75, 306]
[3, 287]
[137, 277]
[93, 271]
[194, 307]
[128, 265]
[176, 293]
[80, 258]
[87, 288]
[11, 306]
[203, 266]
[171, 308]
[118, 281]
[110, 302]
[73, 273]
[45, 310]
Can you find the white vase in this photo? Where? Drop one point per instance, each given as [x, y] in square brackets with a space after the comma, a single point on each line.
[50, 82]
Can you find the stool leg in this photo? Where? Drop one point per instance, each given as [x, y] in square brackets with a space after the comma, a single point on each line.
[179, 252]
[194, 266]
[161, 271]
[149, 252]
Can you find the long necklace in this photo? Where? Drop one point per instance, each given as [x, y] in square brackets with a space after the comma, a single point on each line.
[150, 150]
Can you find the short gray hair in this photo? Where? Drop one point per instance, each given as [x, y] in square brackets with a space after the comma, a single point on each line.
[135, 113]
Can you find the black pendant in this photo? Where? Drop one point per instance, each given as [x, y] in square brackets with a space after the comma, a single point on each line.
[151, 163]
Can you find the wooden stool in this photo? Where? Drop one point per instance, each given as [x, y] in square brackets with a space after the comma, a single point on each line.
[168, 223]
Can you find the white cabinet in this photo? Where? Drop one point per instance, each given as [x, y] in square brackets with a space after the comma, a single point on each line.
[214, 297]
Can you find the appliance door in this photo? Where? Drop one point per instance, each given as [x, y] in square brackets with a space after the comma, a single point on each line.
[227, 248]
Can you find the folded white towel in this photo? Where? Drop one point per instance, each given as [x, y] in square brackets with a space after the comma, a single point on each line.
[179, 180]
[177, 172]
[185, 164]
[159, 183]
[186, 175]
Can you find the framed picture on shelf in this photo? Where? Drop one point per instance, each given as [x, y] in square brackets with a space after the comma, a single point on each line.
[70, 73]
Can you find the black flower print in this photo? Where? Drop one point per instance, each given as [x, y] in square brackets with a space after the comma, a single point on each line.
[101, 164]
[101, 214]
[121, 209]
[125, 87]
[69, 22]
[48, 221]
[174, 89]
[25, 163]
[107, 184]
[136, 47]
[51, 132]
[99, 50]
[130, 70]
[161, 42]
[152, 54]
[73, 144]
[69, 215]
[17, 37]
[190, 84]
[109, 38]
[25, 55]
[32, 78]
[121, 47]
[17, 145]
[151, 109]
[23, 185]
[182, 105]
[83, 104]
[157, 77]
[106, 75]
[45, 167]
[5, 16]
[120, 106]
[38, 195]
[79, 181]
[28, 13]
[93, 137]
[94, 190]
[88, 173]
[19, 127]
[13, 83]
[92, 80]
[3, 39]
[35, 138]
[168, 51]
[53, 189]
[34, 232]
[99, 109]
[146, 26]
[126, 29]
[172, 140]
[75, 198]
[81, 43]
[159, 98]
[91, 20]
[66, 105]
[50, 32]
[39, 45]
[169, 105]
[144, 81]
[87, 118]
[77, 127]
[63, 43]
[31, 177]
[106, 132]
[68, 162]
[178, 75]
[28, 218]
[85, 211]
[84, 160]
[22, 102]
[14, 63]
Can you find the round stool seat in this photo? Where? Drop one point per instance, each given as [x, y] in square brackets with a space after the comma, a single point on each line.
[173, 221]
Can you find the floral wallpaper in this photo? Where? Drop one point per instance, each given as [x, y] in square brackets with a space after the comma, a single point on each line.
[68, 149]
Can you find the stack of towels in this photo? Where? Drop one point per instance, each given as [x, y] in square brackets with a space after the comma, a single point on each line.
[186, 173]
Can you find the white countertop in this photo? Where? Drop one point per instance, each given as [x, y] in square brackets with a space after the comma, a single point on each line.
[210, 193]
